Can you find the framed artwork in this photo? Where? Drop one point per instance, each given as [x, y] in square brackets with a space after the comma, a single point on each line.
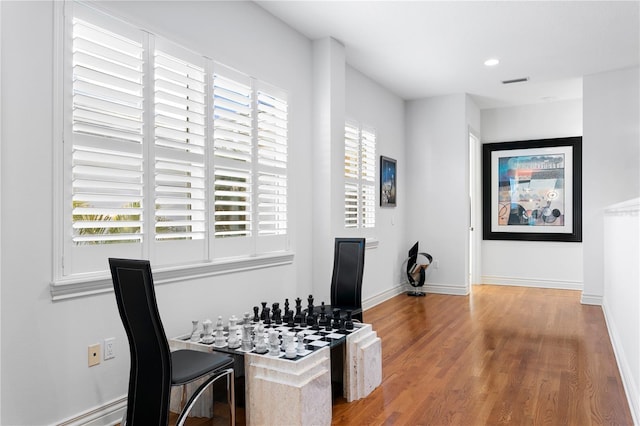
[532, 190]
[387, 182]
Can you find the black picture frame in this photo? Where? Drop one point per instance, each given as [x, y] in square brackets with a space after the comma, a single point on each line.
[532, 190]
[388, 182]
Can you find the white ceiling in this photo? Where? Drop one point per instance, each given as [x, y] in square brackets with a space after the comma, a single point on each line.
[421, 49]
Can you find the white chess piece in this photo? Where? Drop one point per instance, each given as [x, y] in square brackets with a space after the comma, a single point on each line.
[247, 345]
[301, 347]
[274, 343]
[220, 340]
[290, 348]
[207, 333]
[195, 333]
[233, 340]
[259, 341]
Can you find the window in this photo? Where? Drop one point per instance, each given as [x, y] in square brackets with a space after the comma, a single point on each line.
[359, 174]
[167, 155]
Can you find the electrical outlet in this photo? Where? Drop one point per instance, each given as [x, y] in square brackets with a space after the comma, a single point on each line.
[436, 264]
[109, 348]
[94, 354]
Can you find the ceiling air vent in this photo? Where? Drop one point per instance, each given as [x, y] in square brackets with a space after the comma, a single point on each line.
[516, 80]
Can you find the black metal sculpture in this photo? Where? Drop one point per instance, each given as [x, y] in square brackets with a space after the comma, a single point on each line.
[417, 266]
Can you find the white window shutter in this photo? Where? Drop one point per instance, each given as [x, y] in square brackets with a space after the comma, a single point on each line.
[360, 176]
[351, 152]
[107, 128]
[368, 174]
[351, 206]
[233, 155]
[179, 152]
[178, 159]
[272, 163]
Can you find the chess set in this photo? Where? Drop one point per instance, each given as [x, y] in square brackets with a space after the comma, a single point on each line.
[275, 332]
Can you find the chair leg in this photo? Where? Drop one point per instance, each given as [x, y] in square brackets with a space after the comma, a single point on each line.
[229, 373]
[183, 398]
[231, 397]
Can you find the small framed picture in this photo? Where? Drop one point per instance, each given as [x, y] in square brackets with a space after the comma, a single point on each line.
[387, 182]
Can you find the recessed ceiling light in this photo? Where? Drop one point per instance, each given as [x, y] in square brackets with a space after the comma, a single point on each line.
[491, 62]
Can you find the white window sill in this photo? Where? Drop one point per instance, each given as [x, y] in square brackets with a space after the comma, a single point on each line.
[88, 285]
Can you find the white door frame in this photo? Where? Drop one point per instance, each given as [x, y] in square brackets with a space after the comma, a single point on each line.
[475, 210]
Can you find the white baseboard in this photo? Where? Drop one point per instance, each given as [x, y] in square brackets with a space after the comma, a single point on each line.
[450, 289]
[591, 299]
[372, 301]
[108, 414]
[633, 398]
[532, 282]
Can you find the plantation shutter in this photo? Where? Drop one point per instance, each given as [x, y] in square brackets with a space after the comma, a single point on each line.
[360, 177]
[272, 163]
[107, 134]
[351, 175]
[166, 155]
[368, 174]
[179, 152]
[233, 154]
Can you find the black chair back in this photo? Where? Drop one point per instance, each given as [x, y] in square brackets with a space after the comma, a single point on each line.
[150, 373]
[348, 267]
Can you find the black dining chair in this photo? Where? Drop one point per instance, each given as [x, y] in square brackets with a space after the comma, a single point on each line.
[346, 280]
[154, 368]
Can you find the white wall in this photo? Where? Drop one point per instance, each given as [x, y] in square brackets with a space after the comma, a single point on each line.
[437, 133]
[45, 377]
[611, 149]
[371, 105]
[533, 263]
[328, 158]
[622, 293]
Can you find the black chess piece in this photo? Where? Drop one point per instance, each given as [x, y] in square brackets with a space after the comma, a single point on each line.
[297, 319]
[314, 322]
[256, 318]
[348, 324]
[322, 319]
[336, 318]
[267, 316]
[264, 305]
[310, 304]
[286, 306]
[342, 328]
[277, 315]
[291, 319]
[328, 323]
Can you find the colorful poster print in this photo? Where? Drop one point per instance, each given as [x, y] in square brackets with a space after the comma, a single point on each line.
[531, 190]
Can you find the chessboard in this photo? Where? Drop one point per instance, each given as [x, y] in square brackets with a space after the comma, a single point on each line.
[314, 338]
[291, 336]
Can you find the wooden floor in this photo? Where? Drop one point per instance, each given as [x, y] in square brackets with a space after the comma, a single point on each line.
[504, 355]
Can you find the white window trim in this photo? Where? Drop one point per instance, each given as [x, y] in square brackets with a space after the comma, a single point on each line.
[80, 285]
[93, 284]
